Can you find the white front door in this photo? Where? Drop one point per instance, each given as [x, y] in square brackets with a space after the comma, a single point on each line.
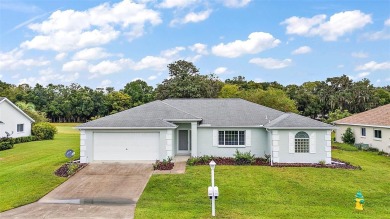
[184, 143]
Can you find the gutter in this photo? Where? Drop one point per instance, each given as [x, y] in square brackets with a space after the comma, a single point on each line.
[122, 128]
[378, 126]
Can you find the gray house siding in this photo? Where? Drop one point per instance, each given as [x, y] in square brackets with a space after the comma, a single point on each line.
[322, 147]
[259, 143]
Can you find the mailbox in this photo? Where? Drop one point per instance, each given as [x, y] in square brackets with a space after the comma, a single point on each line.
[211, 193]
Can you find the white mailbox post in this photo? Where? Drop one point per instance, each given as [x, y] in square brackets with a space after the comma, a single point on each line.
[212, 190]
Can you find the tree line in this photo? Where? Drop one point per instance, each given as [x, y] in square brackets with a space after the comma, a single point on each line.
[75, 103]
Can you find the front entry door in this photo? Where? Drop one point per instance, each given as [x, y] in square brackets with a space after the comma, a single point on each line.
[184, 141]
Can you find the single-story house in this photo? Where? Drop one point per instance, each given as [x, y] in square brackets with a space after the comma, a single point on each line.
[13, 120]
[196, 127]
[371, 127]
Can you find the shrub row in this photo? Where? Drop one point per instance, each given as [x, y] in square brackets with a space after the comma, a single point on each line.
[69, 169]
[240, 158]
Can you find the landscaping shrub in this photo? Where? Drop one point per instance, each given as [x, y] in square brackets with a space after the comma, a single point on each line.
[244, 158]
[371, 149]
[166, 164]
[348, 136]
[6, 145]
[44, 131]
[69, 169]
[23, 139]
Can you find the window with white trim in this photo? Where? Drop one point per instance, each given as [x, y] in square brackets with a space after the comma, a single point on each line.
[231, 137]
[20, 127]
[302, 142]
[377, 133]
[364, 132]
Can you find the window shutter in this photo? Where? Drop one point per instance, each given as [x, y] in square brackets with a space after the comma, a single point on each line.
[291, 143]
[215, 137]
[248, 138]
[313, 143]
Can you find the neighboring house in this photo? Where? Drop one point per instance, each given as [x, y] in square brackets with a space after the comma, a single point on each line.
[196, 127]
[371, 127]
[13, 120]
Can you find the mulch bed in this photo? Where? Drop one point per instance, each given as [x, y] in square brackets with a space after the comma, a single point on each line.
[336, 164]
[163, 166]
[63, 170]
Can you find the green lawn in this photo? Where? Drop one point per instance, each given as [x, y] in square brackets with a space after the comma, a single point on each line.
[268, 192]
[26, 171]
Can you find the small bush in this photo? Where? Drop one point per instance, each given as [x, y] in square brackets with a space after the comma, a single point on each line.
[371, 149]
[6, 145]
[348, 136]
[244, 158]
[23, 139]
[44, 131]
[322, 162]
[166, 164]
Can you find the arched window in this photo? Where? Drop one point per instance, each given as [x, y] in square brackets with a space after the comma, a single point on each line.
[302, 142]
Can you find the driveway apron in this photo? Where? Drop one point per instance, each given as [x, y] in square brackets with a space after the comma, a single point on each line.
[101, 190]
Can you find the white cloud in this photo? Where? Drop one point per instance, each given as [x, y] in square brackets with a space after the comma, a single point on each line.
[192, 17]
[387, 22]
[74, 66]
[359, 55]
[338, 24]
[152, 62]
[340, 66]
[235, 3]
[302, 50]
[105, 83]
[151, 78]
[47, 76]
[1, 76]
[70, 29]
[60, 56]
[176, 3]
[257, 42]
[109, 67]
[172, 52]
[199, 48]
[220, 70]
[387, 79]
[91, 54]
[363, 74]
[373, 66]
[378, 35]
[13, 60]
[270, 63]
[136, 79]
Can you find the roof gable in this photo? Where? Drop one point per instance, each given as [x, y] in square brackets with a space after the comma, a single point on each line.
[4, 99]
[292, 120]
[379, 116]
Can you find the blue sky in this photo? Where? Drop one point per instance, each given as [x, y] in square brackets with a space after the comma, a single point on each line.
[109, 43]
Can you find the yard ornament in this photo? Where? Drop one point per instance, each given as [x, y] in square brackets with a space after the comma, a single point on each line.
[359, 201]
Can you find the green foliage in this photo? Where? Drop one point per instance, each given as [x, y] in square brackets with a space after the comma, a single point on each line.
[322, 162]
[29, 109]
[186, 82]
[273, 98]
[244, 158]
[348, 137]
[43, 131]
[26, 171]
[337, 114]
[383, 95]
[72, 168]
[280, 192]
[229, 91]
[117, 102]
[5, 145]
[23, 139]
[139, 91]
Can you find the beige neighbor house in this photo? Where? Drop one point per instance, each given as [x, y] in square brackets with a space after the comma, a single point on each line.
[371, 127]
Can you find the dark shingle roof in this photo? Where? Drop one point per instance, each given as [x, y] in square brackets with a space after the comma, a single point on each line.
[226, 112]
[292, 120]
[153, 114]
[210, 112]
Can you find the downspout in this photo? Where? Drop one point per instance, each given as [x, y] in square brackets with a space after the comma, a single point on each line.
[270, 145]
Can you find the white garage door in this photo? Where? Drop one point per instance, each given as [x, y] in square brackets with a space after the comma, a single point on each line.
[126, 146]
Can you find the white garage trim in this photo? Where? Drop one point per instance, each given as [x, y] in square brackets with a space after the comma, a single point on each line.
[125, 146]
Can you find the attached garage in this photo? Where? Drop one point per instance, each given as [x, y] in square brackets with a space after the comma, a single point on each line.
[127, 146]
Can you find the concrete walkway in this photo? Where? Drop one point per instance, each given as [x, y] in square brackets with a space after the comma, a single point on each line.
[101, 190]
[178, 168]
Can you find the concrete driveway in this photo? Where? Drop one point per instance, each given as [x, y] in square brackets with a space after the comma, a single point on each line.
[101, 190]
